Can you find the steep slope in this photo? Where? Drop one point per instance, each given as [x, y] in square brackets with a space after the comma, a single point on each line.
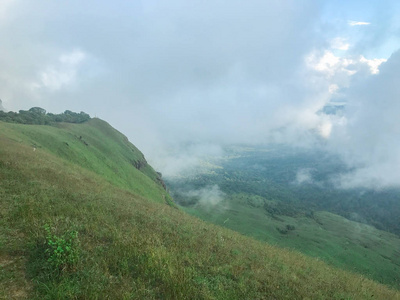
[98, 147]
[340, 242]
[70, 228]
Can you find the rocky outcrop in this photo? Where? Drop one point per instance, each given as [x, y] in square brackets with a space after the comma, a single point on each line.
[139, 164]
[160, 181]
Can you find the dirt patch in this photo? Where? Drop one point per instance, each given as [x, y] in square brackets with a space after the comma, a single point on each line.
[6, 260]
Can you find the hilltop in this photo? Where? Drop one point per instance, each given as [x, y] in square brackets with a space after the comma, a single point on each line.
[83, 215]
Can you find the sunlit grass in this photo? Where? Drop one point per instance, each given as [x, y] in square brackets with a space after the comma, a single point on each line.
[134, 248]
[342, 243]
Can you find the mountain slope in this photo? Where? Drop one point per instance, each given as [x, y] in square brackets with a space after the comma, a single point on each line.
[98, 147]
[121, 245]
[340, 242]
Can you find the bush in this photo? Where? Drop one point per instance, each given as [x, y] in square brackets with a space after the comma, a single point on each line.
[62, 252]
[290, 227]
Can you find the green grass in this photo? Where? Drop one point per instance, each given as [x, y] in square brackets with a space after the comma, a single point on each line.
[130, 246]
[346, 244]
[95, 146]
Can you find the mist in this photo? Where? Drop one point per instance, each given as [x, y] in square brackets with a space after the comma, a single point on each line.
[207, 197]
[372, 126]
[304, 176]
[184, 79]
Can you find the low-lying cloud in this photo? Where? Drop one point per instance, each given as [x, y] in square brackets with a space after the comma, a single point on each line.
[207, 197]
[184, 79]
[368, 141]
[304, 176]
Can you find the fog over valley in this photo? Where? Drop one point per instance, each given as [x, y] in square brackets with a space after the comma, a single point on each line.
[184, 80]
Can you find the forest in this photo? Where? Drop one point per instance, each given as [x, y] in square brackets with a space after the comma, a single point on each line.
[271, 175]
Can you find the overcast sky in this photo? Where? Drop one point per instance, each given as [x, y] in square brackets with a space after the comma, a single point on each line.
[194, 76]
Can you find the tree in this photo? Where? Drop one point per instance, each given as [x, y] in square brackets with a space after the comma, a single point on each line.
[38, 110]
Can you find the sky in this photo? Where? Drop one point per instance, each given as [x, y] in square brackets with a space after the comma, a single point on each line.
[183, 79]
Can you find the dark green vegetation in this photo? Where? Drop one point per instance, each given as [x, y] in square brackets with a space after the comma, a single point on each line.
[39, 116]
[263, 198]
[83, 216]
[271, 174]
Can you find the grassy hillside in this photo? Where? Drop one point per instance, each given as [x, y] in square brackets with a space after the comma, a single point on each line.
[97, 147]
[340, 242]
[76, 223]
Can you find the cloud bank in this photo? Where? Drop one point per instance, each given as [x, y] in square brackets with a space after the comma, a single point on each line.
[183, 79]
[369, 139]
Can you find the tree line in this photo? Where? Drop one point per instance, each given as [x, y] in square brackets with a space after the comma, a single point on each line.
[39, 116]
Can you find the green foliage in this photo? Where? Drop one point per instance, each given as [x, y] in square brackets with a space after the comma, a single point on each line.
[38, 116]
[290, 227]
[37, 110]
[62, 252]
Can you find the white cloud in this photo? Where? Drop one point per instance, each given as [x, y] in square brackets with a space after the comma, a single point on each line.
[373, 63]
[358, 23]
[304, 176]
[189, 160]
[62, 73]
[325, 129]
[338, 70]
[368, 140]
[339, 43]
[333, 88]
[329, 64]
[208, 197]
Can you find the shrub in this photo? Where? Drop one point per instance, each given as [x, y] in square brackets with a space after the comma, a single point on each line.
[290, 227]
[62, 251]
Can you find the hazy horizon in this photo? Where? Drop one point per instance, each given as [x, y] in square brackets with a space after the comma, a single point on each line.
[185, 79]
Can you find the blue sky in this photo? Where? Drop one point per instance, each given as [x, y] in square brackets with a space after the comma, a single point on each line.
[378, 39]
[214, 73]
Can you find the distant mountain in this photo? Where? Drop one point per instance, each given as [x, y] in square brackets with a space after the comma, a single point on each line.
[84, 216]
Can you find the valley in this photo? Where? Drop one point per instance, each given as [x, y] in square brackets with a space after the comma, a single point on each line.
[287, 197]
